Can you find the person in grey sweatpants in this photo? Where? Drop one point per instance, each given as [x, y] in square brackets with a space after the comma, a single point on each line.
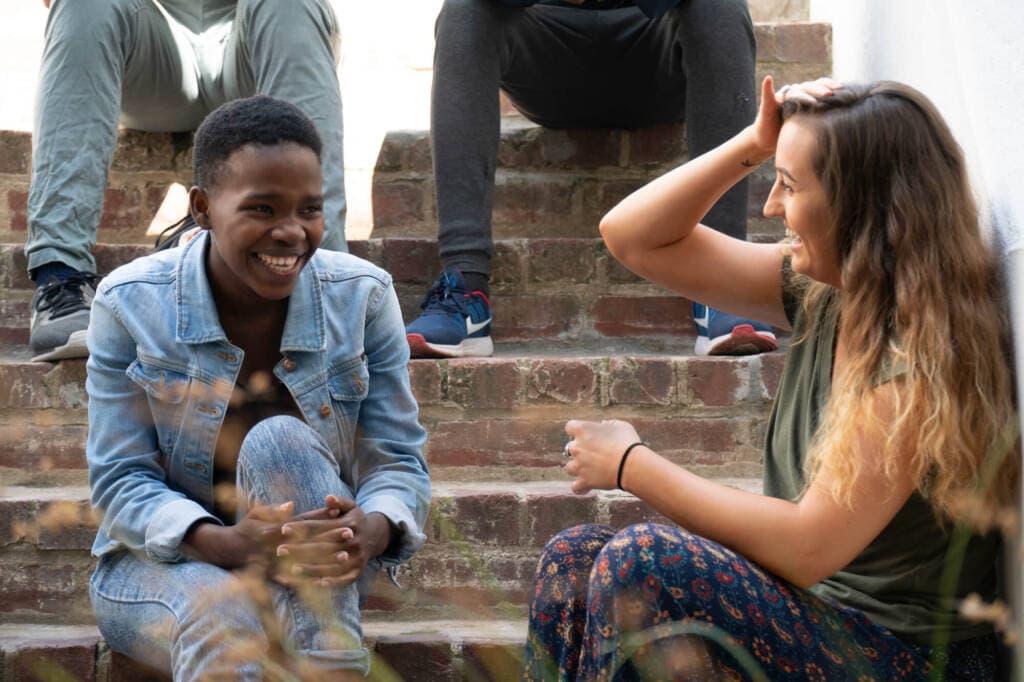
[156, 65]
[599, 64]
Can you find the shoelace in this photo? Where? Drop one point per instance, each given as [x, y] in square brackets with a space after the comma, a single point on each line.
[66, 297]
[442, 297]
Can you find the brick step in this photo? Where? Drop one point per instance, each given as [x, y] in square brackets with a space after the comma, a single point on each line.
[593, 174]
[550, 183]
[483, 543]
[495, 418]
[557, 290]
[419, 651]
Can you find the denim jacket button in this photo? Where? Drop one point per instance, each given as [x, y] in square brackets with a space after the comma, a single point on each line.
[289, 364]
[325, 411]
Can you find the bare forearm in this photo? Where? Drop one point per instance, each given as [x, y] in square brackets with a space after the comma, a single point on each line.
[380, 533]
[667, 209]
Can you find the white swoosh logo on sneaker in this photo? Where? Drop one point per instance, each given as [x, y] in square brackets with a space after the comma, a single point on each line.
[473, 328]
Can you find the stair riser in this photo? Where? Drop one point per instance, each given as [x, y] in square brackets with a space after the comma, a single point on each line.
[481, 553]
[494, 419]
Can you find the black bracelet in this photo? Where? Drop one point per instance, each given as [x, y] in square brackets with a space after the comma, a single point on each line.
[622, 462]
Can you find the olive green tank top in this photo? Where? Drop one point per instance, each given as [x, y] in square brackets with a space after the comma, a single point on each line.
[895, 580]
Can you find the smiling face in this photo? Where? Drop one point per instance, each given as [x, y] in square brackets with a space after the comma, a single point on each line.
[799, 199]
[265, 217]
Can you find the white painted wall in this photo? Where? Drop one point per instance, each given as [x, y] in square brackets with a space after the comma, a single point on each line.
[966, 55]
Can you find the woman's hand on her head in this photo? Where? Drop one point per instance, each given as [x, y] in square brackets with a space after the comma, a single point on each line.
[769, 120]
[595, 452]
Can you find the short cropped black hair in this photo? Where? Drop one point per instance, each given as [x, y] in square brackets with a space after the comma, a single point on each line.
[259, 120]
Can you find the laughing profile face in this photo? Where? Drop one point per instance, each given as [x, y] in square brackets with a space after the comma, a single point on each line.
[799, 199]
[265, 217]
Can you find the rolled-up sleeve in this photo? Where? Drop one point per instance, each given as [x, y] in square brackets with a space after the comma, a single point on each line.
[138, 510]
[391, 474]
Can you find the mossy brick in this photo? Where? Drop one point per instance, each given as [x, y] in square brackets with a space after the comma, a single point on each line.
[550, 514]
[485, 518]
[416, 657]
[491, 662]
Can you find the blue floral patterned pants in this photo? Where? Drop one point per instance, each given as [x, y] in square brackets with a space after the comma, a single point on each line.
[610, 605]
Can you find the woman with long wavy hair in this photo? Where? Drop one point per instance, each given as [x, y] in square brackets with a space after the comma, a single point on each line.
[894, 420]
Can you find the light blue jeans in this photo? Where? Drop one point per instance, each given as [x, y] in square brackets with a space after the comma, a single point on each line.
[194, 618]
[162, 66]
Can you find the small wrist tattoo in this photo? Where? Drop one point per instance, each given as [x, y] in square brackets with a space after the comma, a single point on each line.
[748, 163]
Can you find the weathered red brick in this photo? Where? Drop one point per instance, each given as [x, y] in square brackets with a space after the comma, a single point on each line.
[529, 317]
[365, 249]
[560, 260]
[398, 202]
[477, 383]
[601, 195]
[657, 145]
[565, 380]
[411, 260]
[489, 442]
[17, 207]
[705, 440]
[532, 200]
[623, 512]
[771, 372]
[122, 208]
[484, 518]
[507, 265]
[641, 381]
[716, 382]
[583, 148]
[425, 377]
[617, 273]
[629, 316]
[32, 448]
[111, 256]
[550, 514]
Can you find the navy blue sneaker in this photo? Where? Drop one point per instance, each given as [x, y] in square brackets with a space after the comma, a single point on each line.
[454, 323]
[720, 333]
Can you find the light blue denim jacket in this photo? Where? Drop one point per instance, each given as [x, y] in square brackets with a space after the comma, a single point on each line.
[161, 370]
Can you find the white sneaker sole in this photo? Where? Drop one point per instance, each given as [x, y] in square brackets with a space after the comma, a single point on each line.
[470, 348]
[76, 347]
[742, 340]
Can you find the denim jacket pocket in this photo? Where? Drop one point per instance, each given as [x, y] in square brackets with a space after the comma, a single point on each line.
[167, 392]
[348, 383]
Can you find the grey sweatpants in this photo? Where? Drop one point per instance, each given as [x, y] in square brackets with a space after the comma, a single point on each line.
[567, 67]
[162, 66]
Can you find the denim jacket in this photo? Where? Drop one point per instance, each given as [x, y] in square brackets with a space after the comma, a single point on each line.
[161, 370]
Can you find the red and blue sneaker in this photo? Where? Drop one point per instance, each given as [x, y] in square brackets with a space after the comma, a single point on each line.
[454, 323]
[720, 333]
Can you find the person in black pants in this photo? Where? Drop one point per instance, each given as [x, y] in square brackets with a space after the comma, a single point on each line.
[586, 64]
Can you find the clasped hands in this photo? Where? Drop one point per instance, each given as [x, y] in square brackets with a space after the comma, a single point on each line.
[329, 546]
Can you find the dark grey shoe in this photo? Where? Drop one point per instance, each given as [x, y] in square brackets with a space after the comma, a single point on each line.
[60, 316]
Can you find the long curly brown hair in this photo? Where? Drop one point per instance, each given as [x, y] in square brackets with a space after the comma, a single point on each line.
[920, 288]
